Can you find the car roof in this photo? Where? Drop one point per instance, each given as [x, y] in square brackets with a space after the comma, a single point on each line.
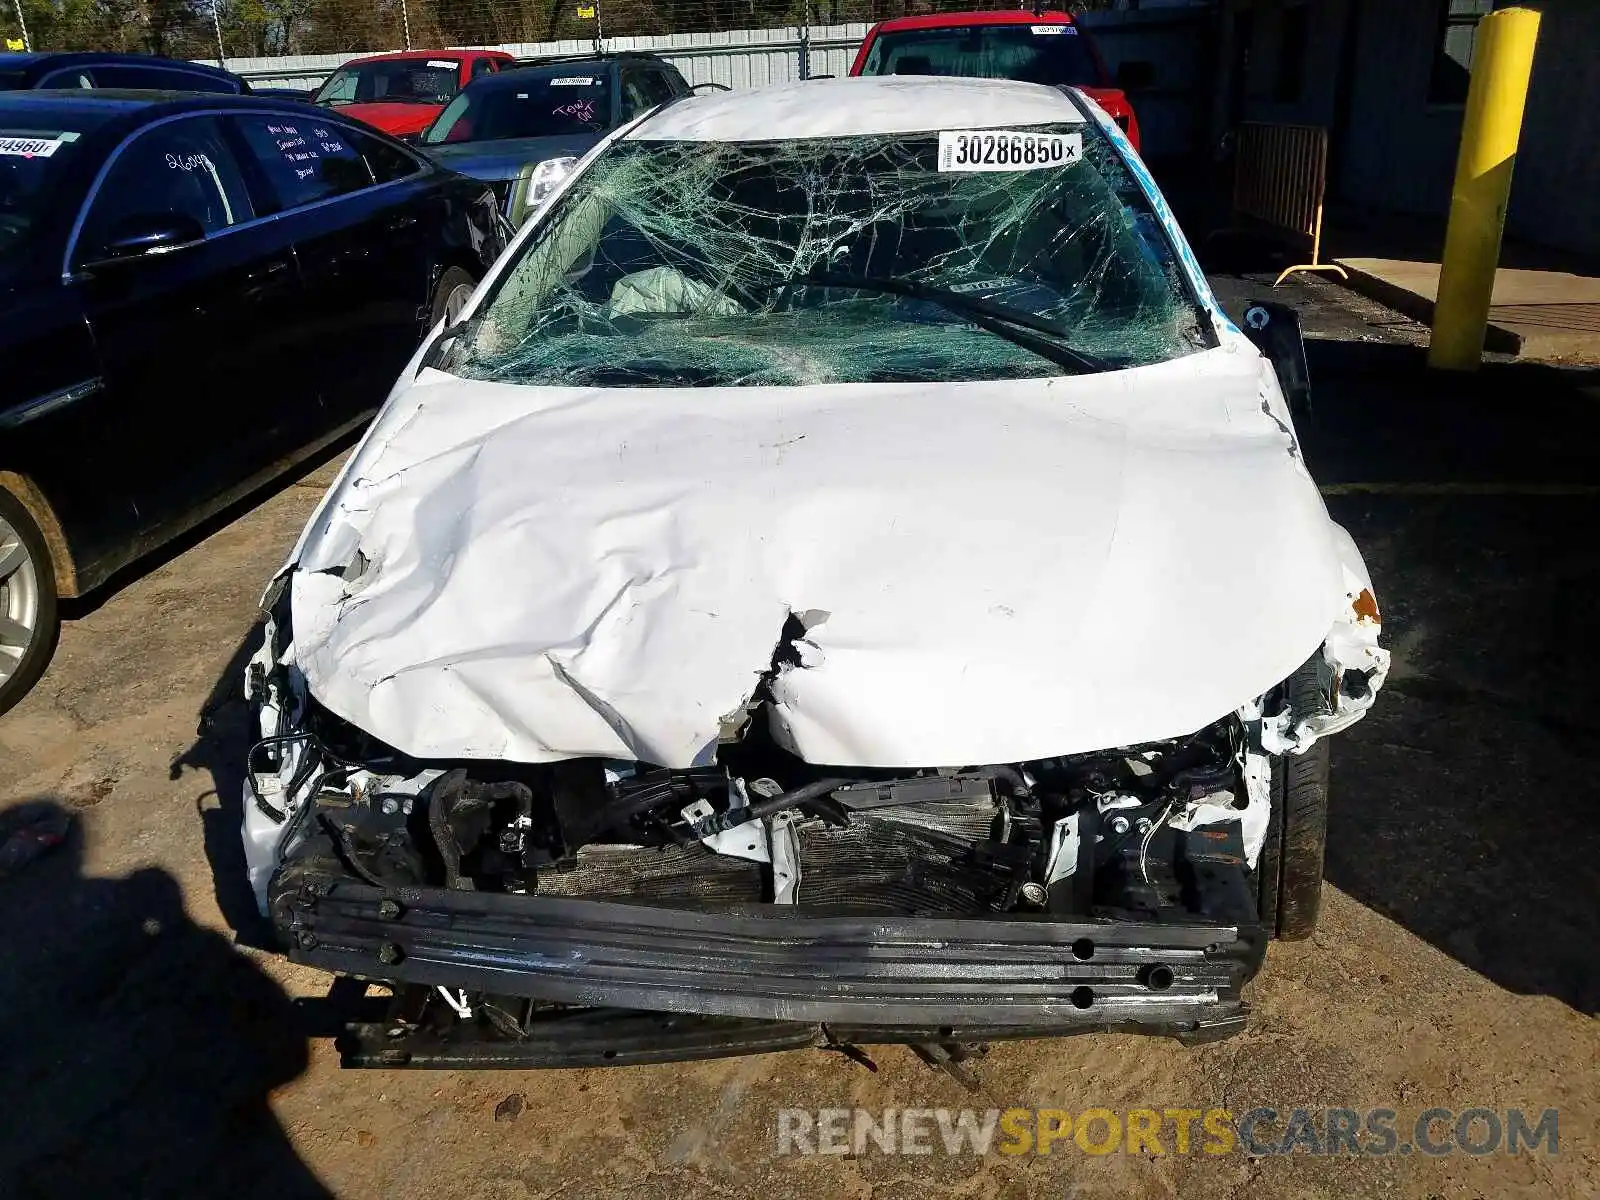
[69, 57]
[512, 76]
[70, 109]
[103, 102]
[858, 107]
[1003, 16]
[404, 55]
[136, 98]
[107, 108]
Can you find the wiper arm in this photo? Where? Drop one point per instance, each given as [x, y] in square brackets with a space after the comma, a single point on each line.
[999, 319]
[446, 349]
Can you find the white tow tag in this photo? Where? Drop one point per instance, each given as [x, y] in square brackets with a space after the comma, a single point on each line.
[1006, 150]
[25, 147]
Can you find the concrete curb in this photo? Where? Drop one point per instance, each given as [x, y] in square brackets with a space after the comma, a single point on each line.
[1497, 340]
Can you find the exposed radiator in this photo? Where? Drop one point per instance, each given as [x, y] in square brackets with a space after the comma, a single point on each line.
[672, 876]
[911, 860]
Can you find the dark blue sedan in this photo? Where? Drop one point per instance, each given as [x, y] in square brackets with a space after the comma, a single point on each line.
[196, 292]
[522, 130]
[105, 69]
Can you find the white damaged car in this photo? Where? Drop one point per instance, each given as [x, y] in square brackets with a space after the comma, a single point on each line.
[841, 579]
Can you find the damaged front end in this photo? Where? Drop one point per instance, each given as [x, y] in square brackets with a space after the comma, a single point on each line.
[591, 911]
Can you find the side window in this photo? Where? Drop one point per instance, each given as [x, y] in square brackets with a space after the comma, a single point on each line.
[677, 85]
[635, 97]
[343, 90]
[305, 159]
[387, 163]
[657, 89]
[124, 75]
[183, 167]
[68, 77]
[482, 66]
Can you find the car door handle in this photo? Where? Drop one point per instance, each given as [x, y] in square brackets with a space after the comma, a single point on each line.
[261, 274]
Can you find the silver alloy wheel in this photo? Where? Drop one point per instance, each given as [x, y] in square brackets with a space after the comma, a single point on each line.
[19, 600]
[456, 301]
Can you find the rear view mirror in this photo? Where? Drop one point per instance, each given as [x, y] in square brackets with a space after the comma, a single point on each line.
[148, 233]
[1136, 75]
[1275, 329]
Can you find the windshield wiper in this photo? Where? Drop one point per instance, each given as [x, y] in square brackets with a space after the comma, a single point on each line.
[446, 350]
[1015, 325]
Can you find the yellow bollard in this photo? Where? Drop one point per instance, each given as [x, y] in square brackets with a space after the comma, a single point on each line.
[1501, 66]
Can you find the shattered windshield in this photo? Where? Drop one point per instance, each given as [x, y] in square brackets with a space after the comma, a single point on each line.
[963, 255]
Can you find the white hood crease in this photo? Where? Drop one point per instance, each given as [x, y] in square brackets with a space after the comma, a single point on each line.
[988, 572]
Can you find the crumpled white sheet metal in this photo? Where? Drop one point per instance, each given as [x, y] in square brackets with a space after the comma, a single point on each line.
[1009, 570]
[851, 107]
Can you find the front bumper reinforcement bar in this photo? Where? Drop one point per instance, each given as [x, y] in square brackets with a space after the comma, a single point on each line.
[1030, 976]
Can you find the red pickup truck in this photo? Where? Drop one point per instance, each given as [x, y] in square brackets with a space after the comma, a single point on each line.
[401, 93]
[1036, 47]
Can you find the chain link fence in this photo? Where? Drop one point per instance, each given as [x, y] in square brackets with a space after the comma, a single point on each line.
[226, 29]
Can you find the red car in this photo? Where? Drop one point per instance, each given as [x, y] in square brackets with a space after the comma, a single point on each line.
[401, 93]
[1036, 47]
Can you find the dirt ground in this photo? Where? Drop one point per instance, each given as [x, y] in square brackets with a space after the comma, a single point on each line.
[144, 1052]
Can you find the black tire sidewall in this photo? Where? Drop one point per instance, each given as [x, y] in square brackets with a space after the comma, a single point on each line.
[37, 656]
[1289, 871]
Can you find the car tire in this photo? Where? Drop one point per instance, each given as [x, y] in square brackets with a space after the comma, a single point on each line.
[454, 290]
[1289, 873]
[28, 615]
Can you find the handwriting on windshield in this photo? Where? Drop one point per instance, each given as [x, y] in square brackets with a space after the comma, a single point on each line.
[296, 149]
[188, 162]
[578, 110]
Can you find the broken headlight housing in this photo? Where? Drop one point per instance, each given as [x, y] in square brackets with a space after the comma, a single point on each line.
[535, 185]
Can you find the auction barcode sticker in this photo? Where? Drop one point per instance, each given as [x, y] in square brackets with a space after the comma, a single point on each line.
[1006, 150]
[27, 147]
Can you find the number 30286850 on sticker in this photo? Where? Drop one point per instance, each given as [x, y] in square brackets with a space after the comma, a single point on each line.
[1006, 150]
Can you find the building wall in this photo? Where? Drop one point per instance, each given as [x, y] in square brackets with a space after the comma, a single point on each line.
[1398, 153]
[1325, 29]
[1555, 193]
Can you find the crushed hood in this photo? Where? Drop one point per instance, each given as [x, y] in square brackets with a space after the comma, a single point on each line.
[987, 572]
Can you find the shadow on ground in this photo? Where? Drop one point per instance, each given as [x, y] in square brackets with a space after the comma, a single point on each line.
[223, 737]
[138, 1050]
[1465, 806]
